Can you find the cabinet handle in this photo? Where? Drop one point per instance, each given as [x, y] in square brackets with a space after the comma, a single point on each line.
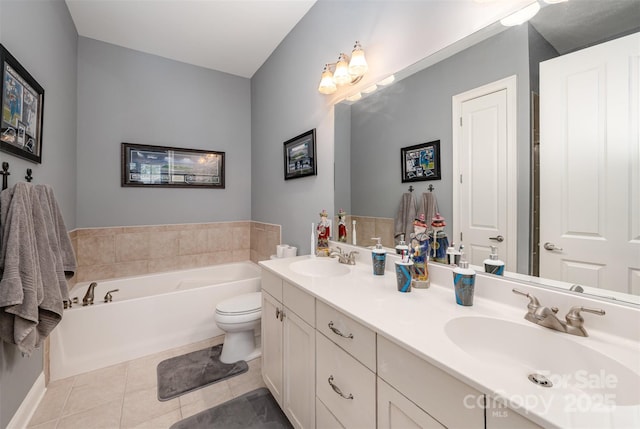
[337, 332]
[278, 313]
[281, 315]
[337, 389]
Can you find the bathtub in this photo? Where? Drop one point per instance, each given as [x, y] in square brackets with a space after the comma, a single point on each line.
[148, 314]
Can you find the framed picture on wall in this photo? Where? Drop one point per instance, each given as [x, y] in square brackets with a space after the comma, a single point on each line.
[300, 156]
[22, 107]
[421, 162]
[171, 167]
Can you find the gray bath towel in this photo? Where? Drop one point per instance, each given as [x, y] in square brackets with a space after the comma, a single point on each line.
[429, 206]
[21, 284]
[406, 215]
[35, 256]
[58, 238]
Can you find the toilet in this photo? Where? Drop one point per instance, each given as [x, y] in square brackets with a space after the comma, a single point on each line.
[238, 317]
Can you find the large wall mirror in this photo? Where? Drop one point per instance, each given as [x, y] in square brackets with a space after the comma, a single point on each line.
[420, 106]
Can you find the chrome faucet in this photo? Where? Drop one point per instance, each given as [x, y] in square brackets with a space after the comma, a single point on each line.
[344, 258]
[545, 316]
[108, 297]
[88, 297]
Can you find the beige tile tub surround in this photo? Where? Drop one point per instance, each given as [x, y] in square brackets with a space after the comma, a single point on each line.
[368, 227]
[106, 253]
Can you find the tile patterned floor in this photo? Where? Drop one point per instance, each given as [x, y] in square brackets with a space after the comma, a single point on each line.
[125, 395]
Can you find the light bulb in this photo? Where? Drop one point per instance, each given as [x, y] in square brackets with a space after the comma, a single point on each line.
[341, 76]
[358, 64]
[327, 85]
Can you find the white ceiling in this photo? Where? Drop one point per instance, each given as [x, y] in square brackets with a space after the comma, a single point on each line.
[232, 36]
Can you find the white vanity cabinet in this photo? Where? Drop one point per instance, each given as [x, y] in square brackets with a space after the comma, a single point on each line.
[395, 411]
[345, 370]
[440, 396]
[289, 348]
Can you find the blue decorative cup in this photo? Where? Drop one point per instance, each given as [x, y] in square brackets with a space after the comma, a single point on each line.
[403, 275]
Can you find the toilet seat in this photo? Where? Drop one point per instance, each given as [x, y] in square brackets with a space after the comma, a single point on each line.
[240, 309]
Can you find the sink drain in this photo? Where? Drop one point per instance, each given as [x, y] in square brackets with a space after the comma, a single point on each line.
[540, 380]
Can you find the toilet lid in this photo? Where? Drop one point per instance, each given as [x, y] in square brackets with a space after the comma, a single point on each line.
[241, 304]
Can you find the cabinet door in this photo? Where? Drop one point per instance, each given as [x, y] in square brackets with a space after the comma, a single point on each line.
[324, 418]
[271, 330]
[299, 371]
[397, 412]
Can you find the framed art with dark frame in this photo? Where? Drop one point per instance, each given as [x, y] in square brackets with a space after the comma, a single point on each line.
[22, 108]
[421, 162]
[300, 156]
[171, 167]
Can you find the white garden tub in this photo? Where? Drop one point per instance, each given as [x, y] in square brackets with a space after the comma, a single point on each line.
[148, 314]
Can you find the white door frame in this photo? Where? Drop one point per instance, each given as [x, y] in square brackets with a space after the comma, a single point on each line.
[510, 84]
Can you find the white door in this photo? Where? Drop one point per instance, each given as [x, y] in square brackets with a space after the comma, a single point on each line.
[485, 175]
[590, 164]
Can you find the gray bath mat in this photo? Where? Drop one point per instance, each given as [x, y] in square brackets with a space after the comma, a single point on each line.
[254, 410]
[186, 373]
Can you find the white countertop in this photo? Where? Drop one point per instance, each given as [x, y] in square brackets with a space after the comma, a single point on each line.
[416, 321]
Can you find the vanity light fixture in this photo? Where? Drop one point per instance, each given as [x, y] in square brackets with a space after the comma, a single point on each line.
[347, 70]
[521, 16]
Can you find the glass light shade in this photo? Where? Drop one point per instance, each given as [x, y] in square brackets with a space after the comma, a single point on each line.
[358, 64]
[341, 76]
[327, 85]
[521, 16]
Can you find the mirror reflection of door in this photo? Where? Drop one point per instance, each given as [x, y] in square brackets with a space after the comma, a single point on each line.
[590, 191]
[485, 174]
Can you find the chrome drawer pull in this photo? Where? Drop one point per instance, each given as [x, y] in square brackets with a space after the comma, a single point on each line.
[337, 389]
[337, 332]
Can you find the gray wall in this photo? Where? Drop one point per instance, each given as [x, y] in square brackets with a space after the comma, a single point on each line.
[128, 96]
[418, 110]
[41, 35]
[285, 101]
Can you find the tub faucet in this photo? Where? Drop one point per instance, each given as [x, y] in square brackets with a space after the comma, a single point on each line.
[88, 297]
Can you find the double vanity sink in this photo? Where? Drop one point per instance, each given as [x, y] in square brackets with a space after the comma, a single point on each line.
[551, 378]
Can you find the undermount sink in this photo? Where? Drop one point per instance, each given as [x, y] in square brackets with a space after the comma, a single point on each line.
[319, 267]
[523, 350]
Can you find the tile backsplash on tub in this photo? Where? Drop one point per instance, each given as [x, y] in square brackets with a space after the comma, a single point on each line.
[111, 252]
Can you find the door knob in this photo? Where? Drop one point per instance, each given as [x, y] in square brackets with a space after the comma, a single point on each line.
[551, 246]
[499, 238]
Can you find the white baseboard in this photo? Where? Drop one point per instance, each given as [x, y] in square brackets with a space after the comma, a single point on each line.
[21, 418]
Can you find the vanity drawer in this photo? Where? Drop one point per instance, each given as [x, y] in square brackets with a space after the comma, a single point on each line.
[272, 284]
[356, 339]
[351, 378]
[433, 390]
[300, 302]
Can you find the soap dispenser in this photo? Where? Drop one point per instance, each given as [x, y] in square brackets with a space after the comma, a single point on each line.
[453, 254]
[378, 257]
[464, 281]
[493, 265]
[402, 248]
